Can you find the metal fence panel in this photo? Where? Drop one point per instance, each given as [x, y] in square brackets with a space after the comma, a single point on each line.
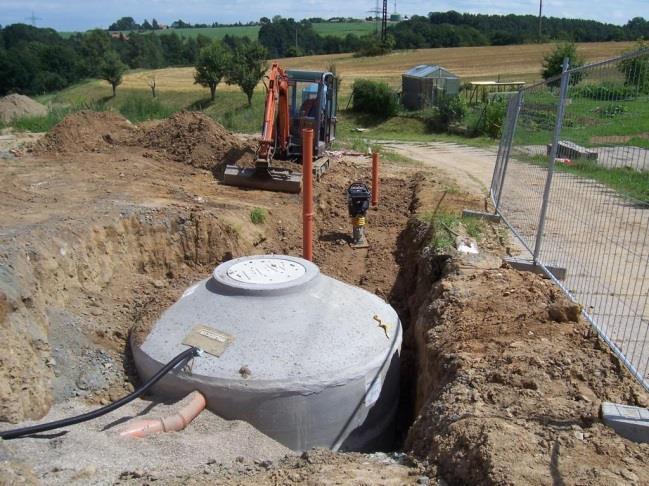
[596, 223]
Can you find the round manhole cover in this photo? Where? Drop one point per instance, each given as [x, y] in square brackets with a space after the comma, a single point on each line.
[266, 271]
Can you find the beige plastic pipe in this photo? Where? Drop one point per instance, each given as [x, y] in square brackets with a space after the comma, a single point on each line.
[173, 423]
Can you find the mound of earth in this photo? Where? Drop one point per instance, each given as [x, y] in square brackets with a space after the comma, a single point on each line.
[197, 140]
[16, 106]
[86, 131]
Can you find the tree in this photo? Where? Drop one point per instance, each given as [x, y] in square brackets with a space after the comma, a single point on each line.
[155, 25]
[93, 46]
[553, 62]
[212, 65]
[125, 23]
[179, 24]
[152, 84]
[112, 69]
[146, 25]
[249, 68]
[636, 69]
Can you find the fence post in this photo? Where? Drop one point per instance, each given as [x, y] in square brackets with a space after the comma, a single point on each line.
[565, 80]
[508, 148]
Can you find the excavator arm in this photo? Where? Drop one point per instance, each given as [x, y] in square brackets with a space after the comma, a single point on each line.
[275, 131]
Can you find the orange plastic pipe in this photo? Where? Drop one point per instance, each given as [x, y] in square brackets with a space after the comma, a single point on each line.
[375, 179]
[173, 423]
[307, 194]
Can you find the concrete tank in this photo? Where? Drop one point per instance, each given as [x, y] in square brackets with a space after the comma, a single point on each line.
[307, 359]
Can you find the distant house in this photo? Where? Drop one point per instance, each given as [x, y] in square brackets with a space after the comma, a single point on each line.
[422, 84]
[118, 35]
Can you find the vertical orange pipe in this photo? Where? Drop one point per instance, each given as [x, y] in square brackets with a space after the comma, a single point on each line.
[375, 179]
[307, 194]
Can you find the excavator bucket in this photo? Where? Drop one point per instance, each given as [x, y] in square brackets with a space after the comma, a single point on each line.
[263, 178]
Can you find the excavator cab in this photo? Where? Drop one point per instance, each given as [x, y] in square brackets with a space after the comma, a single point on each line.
[295, 100]
[312, 102]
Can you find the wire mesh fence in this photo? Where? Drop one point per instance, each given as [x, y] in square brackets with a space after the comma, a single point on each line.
[572, 181]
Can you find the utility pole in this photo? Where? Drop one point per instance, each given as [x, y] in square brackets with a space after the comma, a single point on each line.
[32, 18]
[540, 20]
[384, 21]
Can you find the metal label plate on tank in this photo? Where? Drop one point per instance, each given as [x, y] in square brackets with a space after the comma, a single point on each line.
[209, 340]
[266, 271]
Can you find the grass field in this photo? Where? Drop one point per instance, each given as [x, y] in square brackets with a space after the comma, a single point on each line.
[251, 31]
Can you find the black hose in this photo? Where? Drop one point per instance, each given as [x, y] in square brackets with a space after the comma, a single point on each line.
[57, 424]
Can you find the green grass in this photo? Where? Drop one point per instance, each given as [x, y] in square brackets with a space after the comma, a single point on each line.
[138, 108]
[404, 127]
[584, 120]
[55, 115]
[258, 215]
[447, 226]
[252, 31]
[627, 181]
[366, 146]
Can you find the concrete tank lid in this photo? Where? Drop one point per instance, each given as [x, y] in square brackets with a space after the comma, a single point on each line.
[264, 273]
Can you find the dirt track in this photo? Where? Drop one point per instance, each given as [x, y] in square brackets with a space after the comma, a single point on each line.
[94, 242]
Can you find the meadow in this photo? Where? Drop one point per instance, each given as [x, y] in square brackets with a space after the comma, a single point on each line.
[251, 31]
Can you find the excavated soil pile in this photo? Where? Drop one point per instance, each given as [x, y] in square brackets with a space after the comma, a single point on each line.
[86, 131]
[16, 106]
[195, 139]
[510, 384]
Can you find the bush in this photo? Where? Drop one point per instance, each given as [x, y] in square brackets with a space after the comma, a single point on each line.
[492, 119]
[372, 46]
[374, 98]
[448, 112]
[605, 91]
[611, 111]
[553, 63]
[636, 69]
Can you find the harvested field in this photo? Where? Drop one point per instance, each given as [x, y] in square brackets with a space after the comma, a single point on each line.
[520, 63]
[94, 243]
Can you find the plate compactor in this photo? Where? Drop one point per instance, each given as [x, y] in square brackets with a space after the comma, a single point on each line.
[295, 100]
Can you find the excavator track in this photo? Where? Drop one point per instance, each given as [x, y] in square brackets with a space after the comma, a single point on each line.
[280, 180]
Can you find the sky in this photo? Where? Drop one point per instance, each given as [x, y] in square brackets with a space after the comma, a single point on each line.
[79, 15]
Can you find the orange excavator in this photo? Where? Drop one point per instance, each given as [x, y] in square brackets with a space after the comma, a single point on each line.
[295, 100]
